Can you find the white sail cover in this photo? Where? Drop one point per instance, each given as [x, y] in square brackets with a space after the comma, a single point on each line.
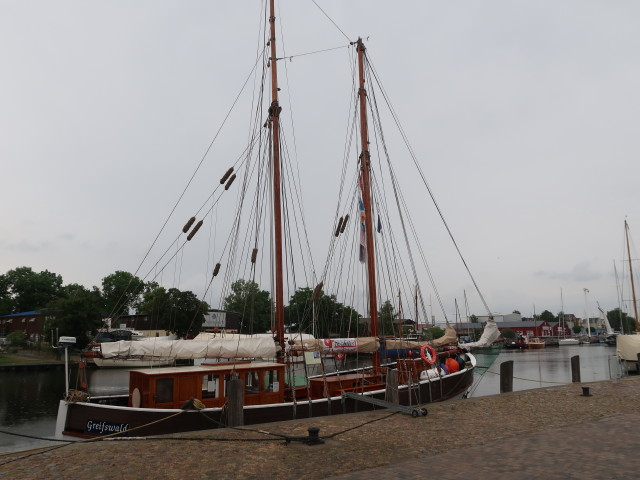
[247, 347]
[448, 337]
[628, 347]
[339, 345]
[489, 335]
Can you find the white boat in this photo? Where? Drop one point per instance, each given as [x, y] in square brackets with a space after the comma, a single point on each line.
[568, 341]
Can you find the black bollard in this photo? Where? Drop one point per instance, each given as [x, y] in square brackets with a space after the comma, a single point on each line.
[575, 369]
[585, 392]
[506, 376]
[314, 436]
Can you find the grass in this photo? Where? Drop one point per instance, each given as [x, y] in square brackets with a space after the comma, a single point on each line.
[30, 356]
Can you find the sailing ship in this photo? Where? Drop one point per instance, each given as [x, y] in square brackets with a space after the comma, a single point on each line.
[246, 385]
[628, 345]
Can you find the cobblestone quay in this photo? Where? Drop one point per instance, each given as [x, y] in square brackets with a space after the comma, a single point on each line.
[546, 433]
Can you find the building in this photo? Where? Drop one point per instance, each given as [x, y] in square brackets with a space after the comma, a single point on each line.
[31, 323]
[219, 320]
[501, 317]
[524, 328]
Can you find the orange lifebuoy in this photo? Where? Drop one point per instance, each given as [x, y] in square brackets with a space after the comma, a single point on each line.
[428, 354]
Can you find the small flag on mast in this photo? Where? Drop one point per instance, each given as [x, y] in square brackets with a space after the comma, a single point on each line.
[363, 240]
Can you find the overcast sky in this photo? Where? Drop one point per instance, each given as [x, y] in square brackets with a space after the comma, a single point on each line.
[523, 115]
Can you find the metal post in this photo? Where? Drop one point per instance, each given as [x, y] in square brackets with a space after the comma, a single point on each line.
[66, 372]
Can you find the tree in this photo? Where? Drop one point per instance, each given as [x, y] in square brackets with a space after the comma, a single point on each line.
[253, 305]
[620, 321]
[386, 317]
[6, 302]
[508, 333]
[121, 291]
[516, 311]
[298, 313]
[17, 338]
[473, 319]
[433, 333]
[77, 313]
[28, 290]
[577, 329]
[175, 311]
[547, 316]
[332, 318]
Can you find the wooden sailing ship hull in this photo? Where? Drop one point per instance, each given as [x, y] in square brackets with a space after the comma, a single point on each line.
[87, 420]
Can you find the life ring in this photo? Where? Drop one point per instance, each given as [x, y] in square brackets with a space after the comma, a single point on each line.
[338, 356]
[428, 354]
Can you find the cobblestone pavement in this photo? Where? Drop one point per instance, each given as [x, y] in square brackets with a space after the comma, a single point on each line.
[545, 433]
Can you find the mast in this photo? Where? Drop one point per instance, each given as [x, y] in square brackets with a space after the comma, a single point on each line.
[365, 170]
[274, 122]
[633, 288]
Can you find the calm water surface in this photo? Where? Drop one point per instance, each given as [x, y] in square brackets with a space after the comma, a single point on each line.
[29, 400]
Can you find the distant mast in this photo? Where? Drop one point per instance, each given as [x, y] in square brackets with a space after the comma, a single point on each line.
[274, 123]
[633, 288]
[365, 169]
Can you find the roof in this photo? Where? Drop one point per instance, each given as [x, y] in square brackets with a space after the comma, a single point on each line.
[503, 325]
[21, 314]
[222, 366]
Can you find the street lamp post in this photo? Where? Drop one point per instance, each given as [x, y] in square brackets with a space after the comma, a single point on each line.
[586, 311]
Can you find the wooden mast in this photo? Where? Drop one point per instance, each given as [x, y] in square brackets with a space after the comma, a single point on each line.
[633, 288]
[365, 170]
[274, 122]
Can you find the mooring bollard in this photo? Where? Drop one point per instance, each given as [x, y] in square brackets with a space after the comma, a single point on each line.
[314, 436]
[585, 392]
[506, 376]
[575, 369]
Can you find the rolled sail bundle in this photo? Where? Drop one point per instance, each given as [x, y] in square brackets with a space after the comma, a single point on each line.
[258, 347]
[448, 337]
[339, 345]
[489, 335]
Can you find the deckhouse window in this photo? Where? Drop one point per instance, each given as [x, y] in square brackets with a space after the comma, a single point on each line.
[251, 383]
[164, 390]
[271, 382]
[210, 386]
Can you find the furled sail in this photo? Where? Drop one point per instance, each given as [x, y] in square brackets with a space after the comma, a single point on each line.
[248, 347]
[339, 345]
[489, 335]
[628, 347]
[448, 337]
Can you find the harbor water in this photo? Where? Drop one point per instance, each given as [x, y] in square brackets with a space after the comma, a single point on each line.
[29, 399]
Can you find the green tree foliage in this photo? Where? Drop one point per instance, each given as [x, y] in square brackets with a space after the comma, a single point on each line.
[386, 318]
[332, 318]
[433, 333]
[121, 291]
[473, 319]
[297, 315]
[577, 329]
[508, 333]
[17, 338]
[6, 302]
[620, 321]
[253, 305]
[77, 313]
[23, 290]
[547, 316]
[175, 311]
